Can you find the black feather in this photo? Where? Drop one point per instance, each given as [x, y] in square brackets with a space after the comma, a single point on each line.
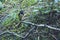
[21, 12]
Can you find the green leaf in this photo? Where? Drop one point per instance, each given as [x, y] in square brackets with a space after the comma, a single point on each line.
[27, 3]
[1, 5]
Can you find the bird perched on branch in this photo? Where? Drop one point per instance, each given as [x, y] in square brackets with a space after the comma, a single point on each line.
[21, 13]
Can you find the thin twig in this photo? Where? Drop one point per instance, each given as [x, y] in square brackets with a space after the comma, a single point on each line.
[41, 25]
[17, 34]
[29, 31]
[53, 36]
[11, 33]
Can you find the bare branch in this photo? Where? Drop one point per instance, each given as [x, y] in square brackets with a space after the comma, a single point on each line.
[42, 25]
[17, 34]
[11, 33]
[29, 31]
[54, 36]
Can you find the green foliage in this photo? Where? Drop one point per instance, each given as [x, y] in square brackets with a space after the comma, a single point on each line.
[27, 3]
[9, 19]
[31, 13]
[1, 5]
[2, 0]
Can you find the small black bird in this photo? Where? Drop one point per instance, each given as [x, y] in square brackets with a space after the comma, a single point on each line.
[20, 15]
[22, 12]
